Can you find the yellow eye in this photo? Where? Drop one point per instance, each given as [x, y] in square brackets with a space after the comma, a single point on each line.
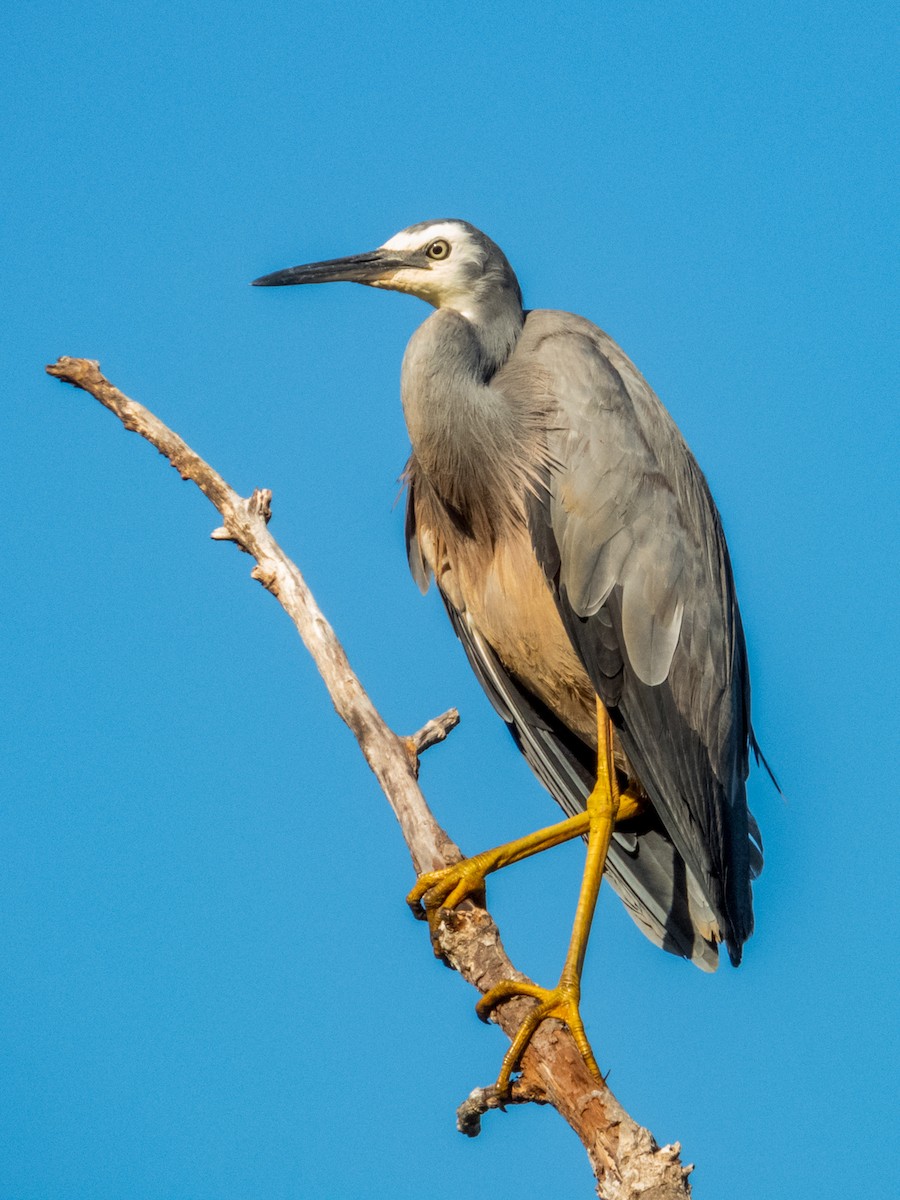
[438, 249]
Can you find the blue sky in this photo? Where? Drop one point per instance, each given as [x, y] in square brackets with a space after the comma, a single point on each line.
[212, 989]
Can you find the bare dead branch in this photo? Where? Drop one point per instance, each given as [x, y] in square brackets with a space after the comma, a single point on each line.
[435, 730]
[626, 1161]
[432, 732]
[483, 1099]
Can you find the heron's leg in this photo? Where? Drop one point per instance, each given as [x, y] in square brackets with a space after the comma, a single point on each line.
[562, 1001]
[448, 887]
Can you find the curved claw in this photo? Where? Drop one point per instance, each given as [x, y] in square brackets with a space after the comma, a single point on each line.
[447, 888]
[560, 1002]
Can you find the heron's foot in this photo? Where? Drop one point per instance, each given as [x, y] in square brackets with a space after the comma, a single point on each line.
[449, 886]
[560, 1002]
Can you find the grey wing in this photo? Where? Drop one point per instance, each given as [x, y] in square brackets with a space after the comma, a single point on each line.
[631, 543]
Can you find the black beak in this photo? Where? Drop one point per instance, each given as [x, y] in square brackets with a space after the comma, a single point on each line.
[358, 268]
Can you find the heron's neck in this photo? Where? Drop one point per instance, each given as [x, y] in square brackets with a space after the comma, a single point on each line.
[495, 321]
[466, 434]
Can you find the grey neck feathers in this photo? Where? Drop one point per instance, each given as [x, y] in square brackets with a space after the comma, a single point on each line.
[476, 449]
[496, 318]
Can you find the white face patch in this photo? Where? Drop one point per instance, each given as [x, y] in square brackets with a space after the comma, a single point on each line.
[446, 283]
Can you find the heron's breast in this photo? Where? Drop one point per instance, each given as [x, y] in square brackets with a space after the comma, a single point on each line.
[507, 598]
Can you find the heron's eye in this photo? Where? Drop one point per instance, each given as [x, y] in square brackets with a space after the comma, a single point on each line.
[438, 249]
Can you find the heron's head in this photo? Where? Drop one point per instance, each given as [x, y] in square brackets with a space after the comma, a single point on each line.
[448, 263]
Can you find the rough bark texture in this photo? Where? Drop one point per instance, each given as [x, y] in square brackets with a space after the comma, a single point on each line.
[626, 1161]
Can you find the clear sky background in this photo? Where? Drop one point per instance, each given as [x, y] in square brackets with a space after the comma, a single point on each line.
[212, 989]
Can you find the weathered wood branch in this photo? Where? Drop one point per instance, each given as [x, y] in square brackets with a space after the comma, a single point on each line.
[626, 1161]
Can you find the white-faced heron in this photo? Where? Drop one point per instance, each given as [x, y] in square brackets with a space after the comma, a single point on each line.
[581, 559]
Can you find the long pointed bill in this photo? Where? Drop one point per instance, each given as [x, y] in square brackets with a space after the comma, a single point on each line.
[358, 268]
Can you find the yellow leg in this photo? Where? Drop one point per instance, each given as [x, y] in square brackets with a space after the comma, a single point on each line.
[449, 886]
[562, 1001]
